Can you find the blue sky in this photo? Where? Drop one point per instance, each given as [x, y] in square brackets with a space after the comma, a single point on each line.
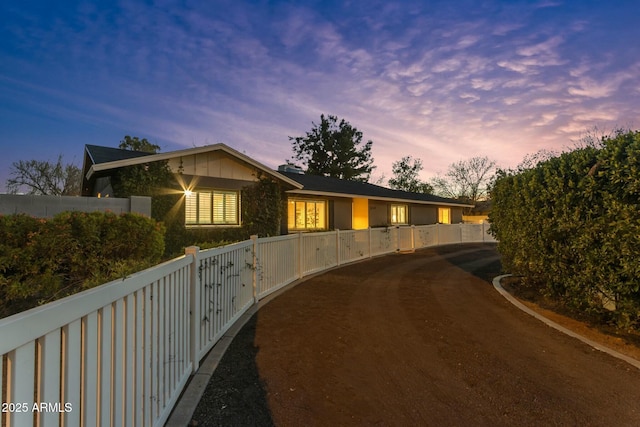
[439, 80]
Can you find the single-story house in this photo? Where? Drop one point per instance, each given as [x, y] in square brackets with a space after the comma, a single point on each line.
[212, 178]
[478, 214]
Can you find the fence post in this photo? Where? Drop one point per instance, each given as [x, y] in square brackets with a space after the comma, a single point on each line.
[370, 244]
[461, 233]
[300, 255]
[483, 231]
[413, 237]
[254, 279]
[337, 246]
[438, 234]
[194, 308]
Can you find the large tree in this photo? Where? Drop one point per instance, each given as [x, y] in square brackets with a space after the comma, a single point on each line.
[147, 179]
[44, 178]
[466, 180]
[136, 144]
[153, 179]
[405, 176]
[334, 148]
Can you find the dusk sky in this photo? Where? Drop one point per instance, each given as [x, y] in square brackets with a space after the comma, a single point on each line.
[438, 80]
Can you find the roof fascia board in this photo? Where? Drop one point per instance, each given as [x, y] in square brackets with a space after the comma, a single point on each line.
[387, 199]
[189, 152]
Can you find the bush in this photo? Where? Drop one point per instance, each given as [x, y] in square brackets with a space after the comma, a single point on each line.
[571, 225]
[42, 260]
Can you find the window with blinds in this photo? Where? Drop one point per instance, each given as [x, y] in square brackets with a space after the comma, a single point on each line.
[307, 215]
[399, 214]
[212, 208]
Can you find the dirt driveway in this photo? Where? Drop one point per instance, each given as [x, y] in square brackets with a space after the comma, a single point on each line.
[413, 339]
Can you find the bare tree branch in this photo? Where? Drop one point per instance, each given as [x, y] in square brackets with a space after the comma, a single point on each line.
[44, 178]
[466, 180]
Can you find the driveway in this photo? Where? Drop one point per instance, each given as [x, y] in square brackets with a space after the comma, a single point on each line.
[413, 339]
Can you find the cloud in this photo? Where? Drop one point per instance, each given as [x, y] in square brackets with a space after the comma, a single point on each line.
[545, 119]
[443, 83]
[591, 89]
[467, 41]
[547, 47]
[607, 86]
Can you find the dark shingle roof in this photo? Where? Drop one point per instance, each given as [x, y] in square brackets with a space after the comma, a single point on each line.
[339, 186]
[100, 154]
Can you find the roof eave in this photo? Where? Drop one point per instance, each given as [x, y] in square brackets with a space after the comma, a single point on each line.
[188, 152]
[382, 198]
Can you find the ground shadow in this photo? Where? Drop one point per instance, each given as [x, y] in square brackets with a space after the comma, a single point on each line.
[484, 271]
[235, 395]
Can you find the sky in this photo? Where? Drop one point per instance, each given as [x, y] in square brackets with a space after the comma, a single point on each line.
[441, 81]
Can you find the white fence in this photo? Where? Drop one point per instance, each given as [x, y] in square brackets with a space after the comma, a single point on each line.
[120, 354]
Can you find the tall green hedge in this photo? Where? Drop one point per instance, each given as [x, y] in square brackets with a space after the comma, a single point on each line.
[571, 225]
[42, 260]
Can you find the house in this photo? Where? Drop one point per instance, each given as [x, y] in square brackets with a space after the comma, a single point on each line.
[478, 214]
[212, 178]
[330, 203]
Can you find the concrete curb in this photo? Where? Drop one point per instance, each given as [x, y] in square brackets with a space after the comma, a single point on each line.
[548, 322]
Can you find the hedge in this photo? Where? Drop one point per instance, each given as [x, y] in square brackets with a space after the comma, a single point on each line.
[42, 260]
[571, 226]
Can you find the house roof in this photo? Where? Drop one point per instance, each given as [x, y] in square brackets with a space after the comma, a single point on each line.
[99, 154]
[105, 158]
[327, 186]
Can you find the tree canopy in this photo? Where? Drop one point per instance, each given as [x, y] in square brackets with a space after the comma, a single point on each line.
[136, 144]
[145, 179]
[405, 176]
[466, 180]
[45, 178]
[334, 148]
[153, 179]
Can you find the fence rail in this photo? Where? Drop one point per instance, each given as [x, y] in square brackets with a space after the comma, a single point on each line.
[120, 354]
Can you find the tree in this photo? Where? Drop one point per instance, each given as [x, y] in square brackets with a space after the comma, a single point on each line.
[153, 179]
[405, 176]
[262, 207]
[334, 149]
[144, 179]
[137, 144]
[466, 180]
[45, 178]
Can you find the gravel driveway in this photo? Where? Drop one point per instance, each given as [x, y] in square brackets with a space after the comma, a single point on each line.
[413, 339]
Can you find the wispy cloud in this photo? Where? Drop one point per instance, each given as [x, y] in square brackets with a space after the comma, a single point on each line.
[441, 82]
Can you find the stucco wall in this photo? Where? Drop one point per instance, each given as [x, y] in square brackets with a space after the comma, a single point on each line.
[378, 213]
[342, 214]
[423, 214]
[456, 215]
[49, 206]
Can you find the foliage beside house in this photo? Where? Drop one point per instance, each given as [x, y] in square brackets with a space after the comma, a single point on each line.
[571, 226]
[46, 259]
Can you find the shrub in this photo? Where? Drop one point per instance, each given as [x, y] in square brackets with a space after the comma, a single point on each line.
[572, 226]
[42, 260]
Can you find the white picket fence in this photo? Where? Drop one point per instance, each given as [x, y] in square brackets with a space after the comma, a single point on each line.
[120, 354]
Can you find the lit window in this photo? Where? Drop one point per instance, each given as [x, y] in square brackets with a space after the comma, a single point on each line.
[444, 215]
[307, 215]
[212, 208]
[399, 214]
